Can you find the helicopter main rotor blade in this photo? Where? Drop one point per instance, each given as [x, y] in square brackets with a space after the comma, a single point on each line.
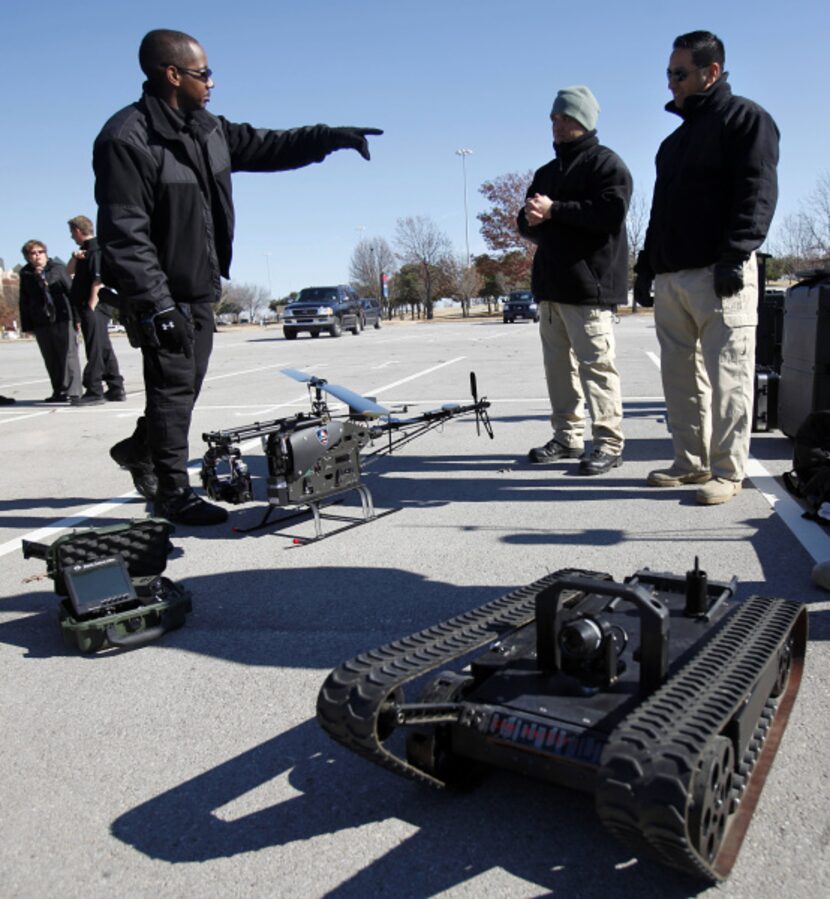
[352, 399]
[302, 376]
[355, 401]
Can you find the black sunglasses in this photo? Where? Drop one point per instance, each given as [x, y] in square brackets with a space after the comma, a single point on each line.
[679, 75]
[204, 75]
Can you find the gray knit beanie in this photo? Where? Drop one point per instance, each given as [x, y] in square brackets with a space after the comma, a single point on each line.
[579, 103]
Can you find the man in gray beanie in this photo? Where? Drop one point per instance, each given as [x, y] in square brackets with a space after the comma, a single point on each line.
[575, 214]
[579, 103]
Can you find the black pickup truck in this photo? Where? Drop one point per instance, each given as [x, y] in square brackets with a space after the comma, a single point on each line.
[520, 304]
[318, 309]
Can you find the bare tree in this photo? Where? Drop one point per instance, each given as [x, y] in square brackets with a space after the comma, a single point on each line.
[794, 239]
[420, 242]
[460, 281]
[636, 223]
[249, 299]
[804, 236]
[371, 258]
[815, 220]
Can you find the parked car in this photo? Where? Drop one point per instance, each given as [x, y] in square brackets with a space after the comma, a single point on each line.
[520, 304]
[317, 309]
[372, 312]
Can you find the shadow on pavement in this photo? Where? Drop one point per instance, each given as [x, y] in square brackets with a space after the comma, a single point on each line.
[548, 836]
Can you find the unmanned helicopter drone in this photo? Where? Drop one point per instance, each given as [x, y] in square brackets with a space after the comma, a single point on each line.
[313, 458]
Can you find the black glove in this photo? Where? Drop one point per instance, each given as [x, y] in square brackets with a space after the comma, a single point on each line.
[353, 139]
[729, 278]
[642, 291]
[108, 296]
[173, 331]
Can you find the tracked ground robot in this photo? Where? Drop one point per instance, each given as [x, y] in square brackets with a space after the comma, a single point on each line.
[664, 696]
[314, 458]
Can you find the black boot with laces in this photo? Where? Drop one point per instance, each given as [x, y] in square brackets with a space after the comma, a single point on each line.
[185, 507]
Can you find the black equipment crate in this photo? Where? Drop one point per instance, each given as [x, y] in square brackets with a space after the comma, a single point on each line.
[770, 330]
[805, 366]
[144, 545]
[765, 399]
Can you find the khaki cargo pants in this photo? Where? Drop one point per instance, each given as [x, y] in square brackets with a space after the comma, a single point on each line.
[707, 358]
[578, 352]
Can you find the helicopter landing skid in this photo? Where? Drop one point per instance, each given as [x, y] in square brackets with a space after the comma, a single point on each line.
[315, 507]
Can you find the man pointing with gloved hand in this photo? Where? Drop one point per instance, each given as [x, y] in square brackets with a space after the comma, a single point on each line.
[714, 198]
[165, 218]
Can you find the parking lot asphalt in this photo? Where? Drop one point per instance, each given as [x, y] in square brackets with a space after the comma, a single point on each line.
[195, 766]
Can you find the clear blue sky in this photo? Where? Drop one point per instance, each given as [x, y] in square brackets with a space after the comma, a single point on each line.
[437, 75]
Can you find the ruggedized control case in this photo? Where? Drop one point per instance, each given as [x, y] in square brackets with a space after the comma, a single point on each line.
[130, 603]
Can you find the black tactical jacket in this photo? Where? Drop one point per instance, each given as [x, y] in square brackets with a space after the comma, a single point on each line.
[716, 186]
[163, 188]
[582, 250]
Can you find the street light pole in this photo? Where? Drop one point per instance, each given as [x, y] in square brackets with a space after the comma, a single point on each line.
[268, 271]
[464, 153]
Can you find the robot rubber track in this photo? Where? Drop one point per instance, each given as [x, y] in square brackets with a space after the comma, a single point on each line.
[651, 782]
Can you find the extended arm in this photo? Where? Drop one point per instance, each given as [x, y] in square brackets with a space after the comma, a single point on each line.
[261, 150]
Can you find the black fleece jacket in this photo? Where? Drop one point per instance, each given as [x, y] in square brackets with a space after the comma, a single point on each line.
[163, 188]
[582, 250]
[44, 299]
[716, 186]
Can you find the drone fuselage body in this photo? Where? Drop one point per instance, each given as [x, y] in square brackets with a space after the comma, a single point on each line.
[317, 459]
[313, 457]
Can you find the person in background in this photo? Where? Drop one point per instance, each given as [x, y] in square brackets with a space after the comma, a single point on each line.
[46, 312]
[101, 364]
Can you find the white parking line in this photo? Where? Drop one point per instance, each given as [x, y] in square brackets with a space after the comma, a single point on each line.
[249, 371]
[24, 416]
[812, 536]
[495, 336]
[809, 534]
[419, 374]
[5, 387]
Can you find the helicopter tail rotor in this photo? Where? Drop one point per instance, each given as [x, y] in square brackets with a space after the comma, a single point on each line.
[482, 418]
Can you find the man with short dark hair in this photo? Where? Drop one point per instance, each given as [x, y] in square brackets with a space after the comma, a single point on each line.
[575, 214]
[165, 219]
[714, 199]
[101, 364]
